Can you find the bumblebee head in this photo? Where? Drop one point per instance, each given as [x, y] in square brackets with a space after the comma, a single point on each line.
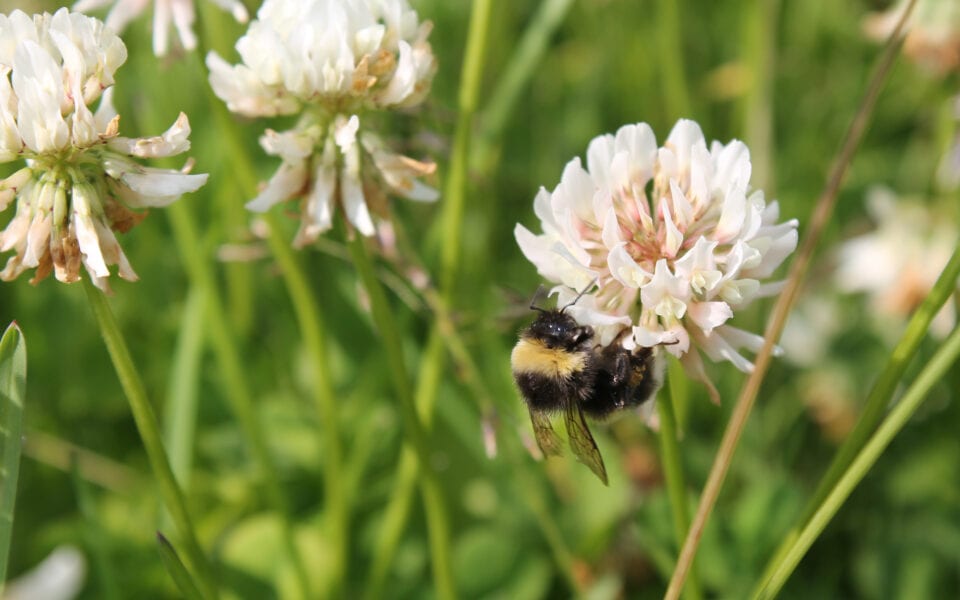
[556, 329]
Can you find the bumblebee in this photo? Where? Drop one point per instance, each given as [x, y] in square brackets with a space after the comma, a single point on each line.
[559, 367]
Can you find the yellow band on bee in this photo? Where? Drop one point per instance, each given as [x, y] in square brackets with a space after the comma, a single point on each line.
[533, 356]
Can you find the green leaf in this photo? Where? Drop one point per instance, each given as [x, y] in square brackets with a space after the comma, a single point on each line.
[177, 571]
[13, 384]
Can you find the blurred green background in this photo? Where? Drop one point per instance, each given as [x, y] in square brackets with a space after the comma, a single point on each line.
[785, 77]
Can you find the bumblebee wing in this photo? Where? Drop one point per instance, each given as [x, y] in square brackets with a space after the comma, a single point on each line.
[546, 437]
[582, 443]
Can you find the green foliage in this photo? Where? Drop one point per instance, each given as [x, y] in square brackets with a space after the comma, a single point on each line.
[518, 528]
[13, 391]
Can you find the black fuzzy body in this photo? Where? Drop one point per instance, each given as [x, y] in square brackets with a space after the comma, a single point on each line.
[606, 379]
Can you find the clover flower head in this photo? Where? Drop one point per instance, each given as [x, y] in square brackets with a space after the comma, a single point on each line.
[932, 35]
[179, 12]
[329, 61]
[81, 182]
[673, 237]
[897, 263]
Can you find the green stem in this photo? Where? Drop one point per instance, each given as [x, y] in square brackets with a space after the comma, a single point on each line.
[454, 191]
[520, 68]
[180, 415]
[452, 224]
[673, 472]
[878, 399]
[935, 369]
[146, 422]
[416, 436]
[313, 329]
[233, 376]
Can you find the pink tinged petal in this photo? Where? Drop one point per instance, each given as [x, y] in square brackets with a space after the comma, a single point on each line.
[698, 265]
[599, 157]
[740, 291]
[575, 192]
[543, 209]
[173, 141]
[675, 340]
[682, 209]
[731, 217]
[354, 204]
[286, 183]
[15, 233]
[684, 136]
[700, 173]
[83, 223]
[640, 145]
[779, 249]
[674, 237]
[709, 315]
[610, 234]
[666, 293]
[733, 167]
[625, 270]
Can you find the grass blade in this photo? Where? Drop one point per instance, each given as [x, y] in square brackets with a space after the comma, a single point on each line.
[177, 571]
[13, 385]
[935, 370]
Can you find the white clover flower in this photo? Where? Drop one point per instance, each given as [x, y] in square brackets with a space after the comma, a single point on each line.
[674, 238]
[80, 182]
[932, 35]
[330, 60]
[180, 12]
[898, 263]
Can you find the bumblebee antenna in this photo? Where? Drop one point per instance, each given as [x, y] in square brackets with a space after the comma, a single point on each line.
[580, 295]
[537, 296]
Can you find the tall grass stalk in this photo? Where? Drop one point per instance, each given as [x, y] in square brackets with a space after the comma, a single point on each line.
[234, 379]
[313, 329]
[934, 370]
[671, 460]
[146, 422]
[438, 528]
[798, 268]
[451, 221]
[180, 413]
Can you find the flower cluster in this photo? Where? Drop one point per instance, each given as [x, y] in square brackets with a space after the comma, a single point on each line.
[80, 182]
[180, 12]
[898, 263]
[673, 237]
[330, 60]
[933, 32]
